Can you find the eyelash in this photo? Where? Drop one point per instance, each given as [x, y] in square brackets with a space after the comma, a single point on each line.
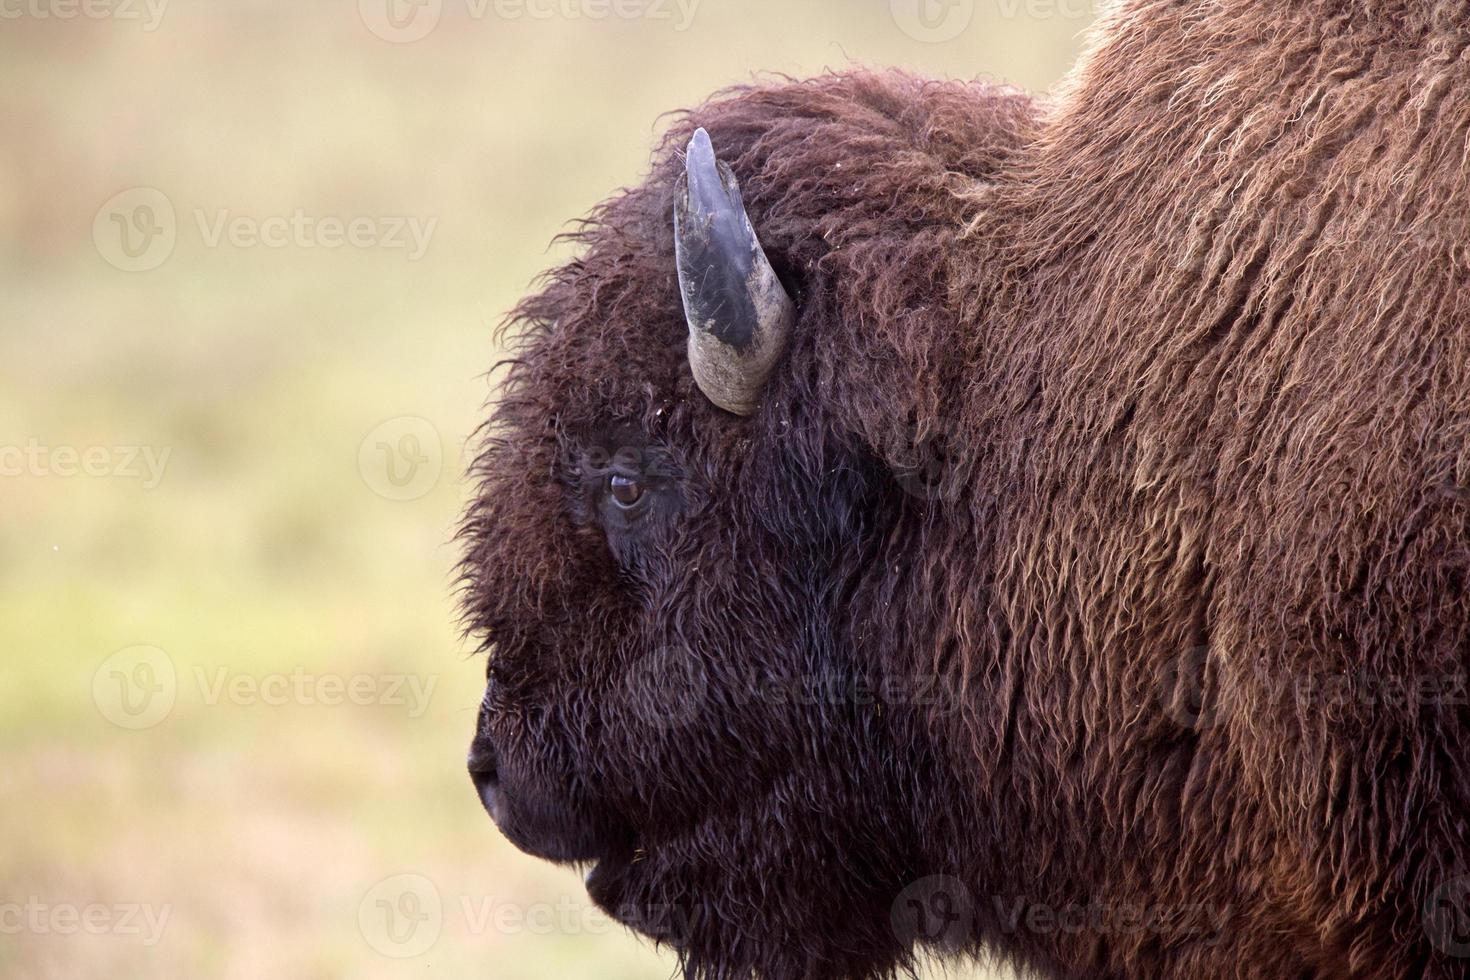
[596, 470]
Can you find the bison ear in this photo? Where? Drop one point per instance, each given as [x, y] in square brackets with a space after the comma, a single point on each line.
[739, 314]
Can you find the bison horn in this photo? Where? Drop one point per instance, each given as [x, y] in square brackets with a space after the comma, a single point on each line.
[739, 315]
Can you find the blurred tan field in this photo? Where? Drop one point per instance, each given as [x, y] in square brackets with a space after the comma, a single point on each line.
[251, 256]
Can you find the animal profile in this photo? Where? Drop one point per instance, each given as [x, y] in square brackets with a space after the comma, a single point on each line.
[926, 519]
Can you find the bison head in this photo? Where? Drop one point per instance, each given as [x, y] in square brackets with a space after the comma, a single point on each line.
[681, 556]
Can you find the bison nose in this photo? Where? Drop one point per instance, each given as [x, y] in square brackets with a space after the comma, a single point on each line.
[484, 772]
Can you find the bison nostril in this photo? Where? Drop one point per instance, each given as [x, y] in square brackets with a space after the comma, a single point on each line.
[484, 771]
[482, 759]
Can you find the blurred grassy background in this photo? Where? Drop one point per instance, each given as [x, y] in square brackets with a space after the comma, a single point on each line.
[271, 544]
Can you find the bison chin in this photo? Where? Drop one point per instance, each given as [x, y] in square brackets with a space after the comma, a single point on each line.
[793, 875]
[774, 891]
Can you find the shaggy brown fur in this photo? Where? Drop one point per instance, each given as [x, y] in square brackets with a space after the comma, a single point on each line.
[1140, 420]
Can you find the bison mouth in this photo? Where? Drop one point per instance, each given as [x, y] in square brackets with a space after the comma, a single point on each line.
[562, 830]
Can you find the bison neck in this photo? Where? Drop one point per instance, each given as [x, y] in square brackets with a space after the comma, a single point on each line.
[1222, 343]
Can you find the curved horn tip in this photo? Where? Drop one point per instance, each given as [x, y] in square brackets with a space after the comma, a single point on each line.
[701, 147]
[707, 193]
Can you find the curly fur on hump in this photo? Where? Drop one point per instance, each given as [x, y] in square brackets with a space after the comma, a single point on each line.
[1191, 348]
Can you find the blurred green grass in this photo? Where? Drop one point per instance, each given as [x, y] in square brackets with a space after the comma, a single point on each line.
[265, 548]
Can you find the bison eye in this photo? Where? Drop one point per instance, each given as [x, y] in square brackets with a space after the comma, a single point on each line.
[626, 491]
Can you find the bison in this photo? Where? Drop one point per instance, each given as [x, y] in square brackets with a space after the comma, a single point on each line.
[929, 520]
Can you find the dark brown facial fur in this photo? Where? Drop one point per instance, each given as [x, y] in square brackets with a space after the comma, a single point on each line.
[1113, 436]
